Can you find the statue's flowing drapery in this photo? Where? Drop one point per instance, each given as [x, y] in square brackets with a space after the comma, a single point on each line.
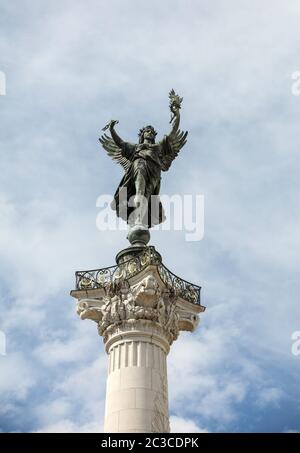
[146, 161]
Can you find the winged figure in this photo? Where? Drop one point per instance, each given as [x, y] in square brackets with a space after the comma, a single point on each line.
[143, 163]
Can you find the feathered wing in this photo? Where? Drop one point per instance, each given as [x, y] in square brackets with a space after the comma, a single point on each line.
[171, 145]
[114, 151]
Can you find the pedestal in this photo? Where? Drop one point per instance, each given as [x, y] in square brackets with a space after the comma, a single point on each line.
[140, 307]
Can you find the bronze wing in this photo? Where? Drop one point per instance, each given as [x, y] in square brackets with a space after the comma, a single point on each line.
[114, 151]
[171, 145]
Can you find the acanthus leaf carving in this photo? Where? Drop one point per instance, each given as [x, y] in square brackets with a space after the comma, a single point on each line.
[146, 301]
[143, 301]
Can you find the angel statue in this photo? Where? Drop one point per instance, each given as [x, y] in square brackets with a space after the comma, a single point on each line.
[137, 197]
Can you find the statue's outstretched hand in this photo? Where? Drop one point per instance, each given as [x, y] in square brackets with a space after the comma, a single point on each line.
[175, 105]
[110, 125]
[175, 111]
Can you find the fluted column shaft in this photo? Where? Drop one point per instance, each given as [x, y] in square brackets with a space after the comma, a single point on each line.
[136, 392]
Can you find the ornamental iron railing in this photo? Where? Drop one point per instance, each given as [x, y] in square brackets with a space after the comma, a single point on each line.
[118, 275]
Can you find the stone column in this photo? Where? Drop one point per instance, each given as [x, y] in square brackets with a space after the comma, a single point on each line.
[139, 316]
[137, 393]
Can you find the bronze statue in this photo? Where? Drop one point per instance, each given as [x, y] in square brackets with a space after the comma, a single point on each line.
[143, 162]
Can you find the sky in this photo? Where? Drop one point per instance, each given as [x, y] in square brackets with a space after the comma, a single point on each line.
[71, 66]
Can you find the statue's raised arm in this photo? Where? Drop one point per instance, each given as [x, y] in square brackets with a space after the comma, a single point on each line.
[176, 139]
[114, 145]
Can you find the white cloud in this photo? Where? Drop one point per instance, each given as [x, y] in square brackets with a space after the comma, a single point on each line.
[68, 426]
[270, 396]
[60, 352]
[183, 425]
[83, 392]
[16, 378]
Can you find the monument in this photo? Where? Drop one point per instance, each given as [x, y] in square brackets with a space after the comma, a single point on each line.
[139, 305]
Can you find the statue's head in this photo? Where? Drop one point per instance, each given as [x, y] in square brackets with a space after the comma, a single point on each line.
[147, 132]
